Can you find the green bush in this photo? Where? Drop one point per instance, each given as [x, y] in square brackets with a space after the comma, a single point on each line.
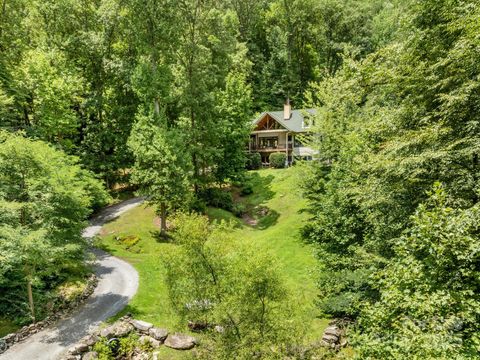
[198, 205]
[277, 160]
[128, 345]
[103, 349]
[247, 189]
[254, 161]
[238, 209]
[218, 198]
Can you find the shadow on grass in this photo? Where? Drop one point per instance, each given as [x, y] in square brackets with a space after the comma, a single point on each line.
[262, 191]
[102, 245]
[254, 203]
[161, 239]
[268, 220]
[127, 310]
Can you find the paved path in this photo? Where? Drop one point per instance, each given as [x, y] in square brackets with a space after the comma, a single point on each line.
[118, 282]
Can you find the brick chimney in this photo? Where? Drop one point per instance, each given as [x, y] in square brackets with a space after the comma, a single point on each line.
[287, 110]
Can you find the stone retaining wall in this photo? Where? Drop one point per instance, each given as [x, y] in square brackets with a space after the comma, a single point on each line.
[147, 335]
[61, 311]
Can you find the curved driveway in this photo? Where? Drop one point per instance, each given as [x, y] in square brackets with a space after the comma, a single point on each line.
[118, 282]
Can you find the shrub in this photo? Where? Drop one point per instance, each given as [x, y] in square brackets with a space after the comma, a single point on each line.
[247, 189]
[277, 160]
[198, 205]
[254, 161]
[218, 198]
[128, 345]
[128, 241]
[238, 209]
[104, 349]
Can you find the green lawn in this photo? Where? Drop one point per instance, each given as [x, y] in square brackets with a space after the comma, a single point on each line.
[277, 232]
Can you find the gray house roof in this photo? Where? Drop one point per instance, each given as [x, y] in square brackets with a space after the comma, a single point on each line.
[294, 124]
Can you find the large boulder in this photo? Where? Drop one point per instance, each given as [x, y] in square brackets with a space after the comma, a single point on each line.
[333, 330]
[147, 340]
[180, 342]
[10, 338]
[331, 337]
[158, 334]
[3, 346]
[90, 340]
[141, 325]
[78, 349]
[119, 329]
[91, 355]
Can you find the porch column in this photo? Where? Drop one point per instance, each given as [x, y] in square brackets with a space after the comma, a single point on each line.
[286, 149]
[293, 145]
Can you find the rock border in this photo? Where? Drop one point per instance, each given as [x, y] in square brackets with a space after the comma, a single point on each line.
[63, 309]
[149, 335]
[334, 335]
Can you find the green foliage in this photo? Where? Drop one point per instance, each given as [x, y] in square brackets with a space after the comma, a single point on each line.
[104, 350]
[277, 160]
[429, 303]
[235, 113]
[239, 209]
[219, 198]
[246, 189]
[388, 128]
[161, 168]
[238, 288]
[50, 91]
[128, 345]
[254, 161]
[128, 242]
[45, 198]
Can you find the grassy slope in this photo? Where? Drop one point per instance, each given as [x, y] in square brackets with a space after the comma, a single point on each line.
[278, 190]
[277, 233]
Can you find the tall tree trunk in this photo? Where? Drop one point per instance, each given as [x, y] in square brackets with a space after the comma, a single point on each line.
[30, 298]
[163, 220]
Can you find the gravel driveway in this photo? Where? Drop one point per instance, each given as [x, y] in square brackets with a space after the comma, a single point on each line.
[118, 282]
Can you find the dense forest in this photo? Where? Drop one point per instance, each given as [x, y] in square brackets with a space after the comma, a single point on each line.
[97, 95]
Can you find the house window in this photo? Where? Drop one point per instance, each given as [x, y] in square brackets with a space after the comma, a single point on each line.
[268, 142]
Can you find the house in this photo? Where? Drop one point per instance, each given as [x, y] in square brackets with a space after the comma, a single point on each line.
[282, 131]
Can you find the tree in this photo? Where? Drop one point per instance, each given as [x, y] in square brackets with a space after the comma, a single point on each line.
[429, 300]
[45, 198]
[161, 167]
[50, 94]
[389, 127]
[214, 281]
[203, 59]
[234, 125]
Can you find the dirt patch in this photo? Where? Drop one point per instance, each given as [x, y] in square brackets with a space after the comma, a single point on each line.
[249, 220]
[104, 232]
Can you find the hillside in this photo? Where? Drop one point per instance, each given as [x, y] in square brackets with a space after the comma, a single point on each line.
[277, 232]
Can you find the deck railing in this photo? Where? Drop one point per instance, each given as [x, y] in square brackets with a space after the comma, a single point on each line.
[271, 148]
